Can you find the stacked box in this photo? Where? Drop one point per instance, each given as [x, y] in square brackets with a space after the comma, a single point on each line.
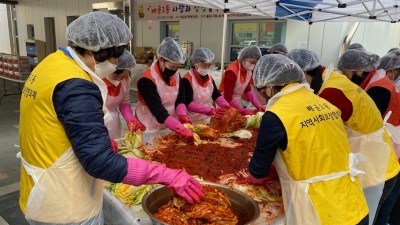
[14, 66]
[1, 65]
[144, 55]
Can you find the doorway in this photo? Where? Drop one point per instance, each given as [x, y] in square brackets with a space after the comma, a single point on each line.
[50, 35]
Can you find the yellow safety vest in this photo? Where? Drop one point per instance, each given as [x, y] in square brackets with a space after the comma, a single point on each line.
[47, 139]
[317, 146]
[365, 118]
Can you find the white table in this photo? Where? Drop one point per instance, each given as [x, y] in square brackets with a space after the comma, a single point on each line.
[19, 82]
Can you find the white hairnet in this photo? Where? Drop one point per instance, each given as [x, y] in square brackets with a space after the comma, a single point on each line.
[276, 70]
[98, 30]
[390, 61]
[250, 52]
[202, 55]
[278, 49]
[356, 46]
[126, 61]
[170, 50]
[354, 60]
[306, 59]
[394, 49]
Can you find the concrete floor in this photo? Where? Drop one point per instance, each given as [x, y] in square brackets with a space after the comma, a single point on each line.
[10, 212]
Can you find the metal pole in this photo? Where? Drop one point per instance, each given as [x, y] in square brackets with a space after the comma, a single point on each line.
[133, 8]
[308, 36]
[223, 40]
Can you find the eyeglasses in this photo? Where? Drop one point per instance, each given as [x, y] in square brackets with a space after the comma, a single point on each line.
[113, 52]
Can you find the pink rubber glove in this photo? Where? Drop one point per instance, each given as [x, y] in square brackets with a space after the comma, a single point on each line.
[220, 111]
[126, 111]
[248, 111]
[176, 126]
[235, 104]
[114, 145]
[221, 102]
[199, 108]
[135, 125]
[181, 111]
[253, 99]
[185, 119]
[272, 175]
[142, 172]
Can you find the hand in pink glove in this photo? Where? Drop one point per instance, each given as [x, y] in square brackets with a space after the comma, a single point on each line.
[135, 125]
[245, 111]
[187, 134]
[114, 145]
[185, 119]
[187, 187]
[272, 175]
[177, 127]
[261, 109]
[221, 102]
[142, 172]
[220, 111]
[253, 99]
[235, 104]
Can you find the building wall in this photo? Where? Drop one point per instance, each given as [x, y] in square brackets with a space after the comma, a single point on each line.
[323, 38]
[34, 12]
[326, 38]
[4, 38]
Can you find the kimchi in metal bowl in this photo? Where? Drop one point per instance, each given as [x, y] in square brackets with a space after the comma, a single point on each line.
[244, 207]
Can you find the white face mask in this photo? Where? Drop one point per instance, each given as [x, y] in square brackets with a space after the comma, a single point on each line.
[104, 69]
[203, 72]
[248, 66]
[114, 82]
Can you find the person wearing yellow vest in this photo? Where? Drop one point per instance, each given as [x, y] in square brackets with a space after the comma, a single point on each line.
[118, 87]
[362, 123]
[361, 68]
[318, 176]
[200, 88]
[237, 81]
[391, 64]
[65, 148]
[161, 93]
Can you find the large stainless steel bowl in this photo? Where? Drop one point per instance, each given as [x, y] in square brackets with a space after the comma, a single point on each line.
[244, 207]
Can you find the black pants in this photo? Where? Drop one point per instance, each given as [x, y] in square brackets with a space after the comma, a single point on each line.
[364, 221]
[386, 203]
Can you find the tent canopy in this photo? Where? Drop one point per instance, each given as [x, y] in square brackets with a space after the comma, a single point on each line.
[310, 10]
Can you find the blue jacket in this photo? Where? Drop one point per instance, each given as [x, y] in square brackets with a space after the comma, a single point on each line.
[78, 105]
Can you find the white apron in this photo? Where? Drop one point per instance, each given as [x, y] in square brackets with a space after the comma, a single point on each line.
[201, 95]
[373, 159]
[80, 193]
[240, 87]
[77, 185]
[295, 193]
[394, 132]
[112, 104]
[168, 95]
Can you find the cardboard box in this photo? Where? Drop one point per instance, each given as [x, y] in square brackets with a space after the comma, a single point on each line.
[140, 50]
[16, 59]
[22, 68]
